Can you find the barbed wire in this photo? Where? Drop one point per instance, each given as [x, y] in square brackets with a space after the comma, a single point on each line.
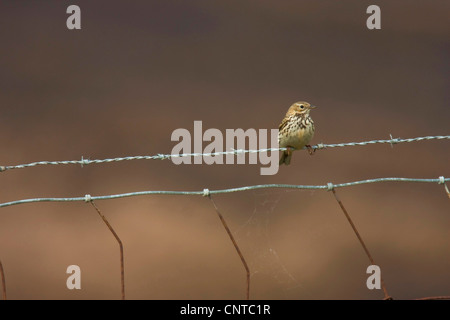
[206, 192]
[319, 146]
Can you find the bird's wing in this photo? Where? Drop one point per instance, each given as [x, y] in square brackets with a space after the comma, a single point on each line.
[283, 123]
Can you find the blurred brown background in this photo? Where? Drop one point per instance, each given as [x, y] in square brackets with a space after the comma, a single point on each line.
[138, 70]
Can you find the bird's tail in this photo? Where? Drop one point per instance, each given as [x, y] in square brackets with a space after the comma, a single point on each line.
[285, 158]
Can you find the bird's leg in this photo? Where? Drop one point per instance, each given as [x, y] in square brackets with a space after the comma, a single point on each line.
[310, 149]
[289, 150]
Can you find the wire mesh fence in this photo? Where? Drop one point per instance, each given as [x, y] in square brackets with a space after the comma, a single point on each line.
[329, 186]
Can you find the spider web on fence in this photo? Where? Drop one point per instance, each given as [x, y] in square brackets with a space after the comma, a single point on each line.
[261, 252]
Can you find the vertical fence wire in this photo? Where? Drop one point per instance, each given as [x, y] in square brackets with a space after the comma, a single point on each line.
[122, 271]
[241, 256]
[2, 276]
[361, 241]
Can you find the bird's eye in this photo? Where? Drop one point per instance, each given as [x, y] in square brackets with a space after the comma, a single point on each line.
[302, 106]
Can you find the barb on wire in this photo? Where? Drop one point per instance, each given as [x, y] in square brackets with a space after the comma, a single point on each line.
[319, 146]
[231, 190]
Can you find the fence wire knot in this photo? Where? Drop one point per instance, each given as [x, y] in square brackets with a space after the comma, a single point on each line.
[320, 146]
[206, 193]
[87, 198]
[330, 186]
[442, 181]
[163, 156]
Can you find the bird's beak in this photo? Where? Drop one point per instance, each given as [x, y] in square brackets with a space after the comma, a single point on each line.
[313, 107]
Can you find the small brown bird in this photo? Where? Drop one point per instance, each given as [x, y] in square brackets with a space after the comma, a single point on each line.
[296, 130]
